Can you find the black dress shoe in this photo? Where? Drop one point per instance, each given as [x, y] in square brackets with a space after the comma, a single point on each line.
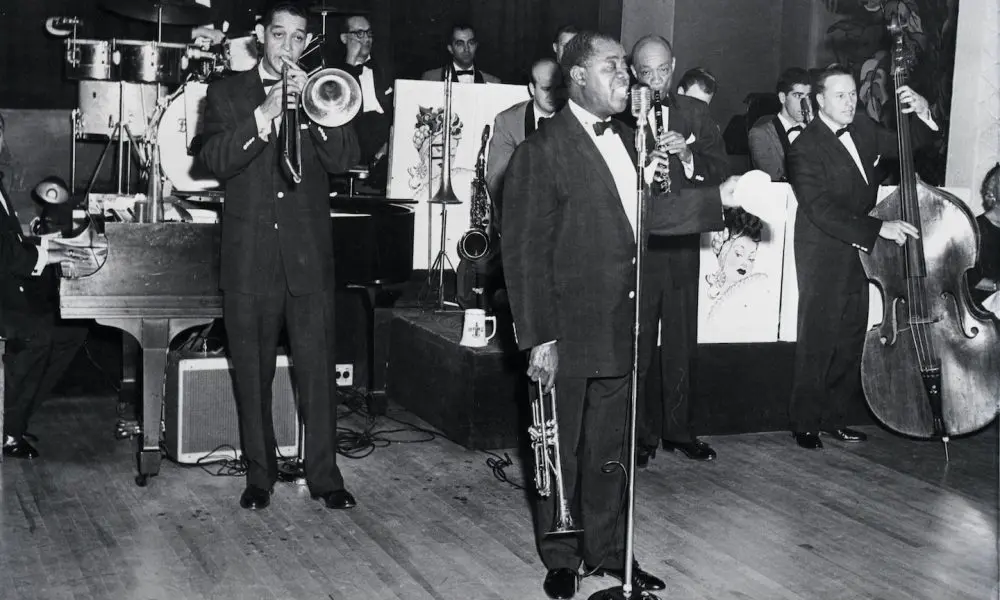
[695, 449]
[642, 455]
[808, 440]
[641, 580]
[560, 583]
[339, 499]
[19, 448]
[255, 498]
[846, 435]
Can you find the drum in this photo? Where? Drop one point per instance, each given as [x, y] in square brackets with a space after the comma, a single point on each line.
[98, 105]
[149, 62]
[88, 59]
[178, 138]
[240, 54]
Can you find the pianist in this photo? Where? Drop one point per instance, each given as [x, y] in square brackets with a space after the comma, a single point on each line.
[39, 345]
[277, 256]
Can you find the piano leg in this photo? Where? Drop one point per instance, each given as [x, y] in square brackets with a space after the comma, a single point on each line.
[153, 335]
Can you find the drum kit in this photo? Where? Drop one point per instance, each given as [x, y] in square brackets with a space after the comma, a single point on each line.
[148, 95]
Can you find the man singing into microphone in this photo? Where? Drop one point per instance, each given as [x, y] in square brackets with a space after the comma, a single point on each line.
[277, 255]
[569, 258]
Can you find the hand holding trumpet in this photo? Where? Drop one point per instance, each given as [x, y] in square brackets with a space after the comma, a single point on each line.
[275, 103]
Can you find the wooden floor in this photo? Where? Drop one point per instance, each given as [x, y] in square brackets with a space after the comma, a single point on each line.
[884, 520]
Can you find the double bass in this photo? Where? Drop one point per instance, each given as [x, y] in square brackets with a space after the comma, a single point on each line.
[931, 368]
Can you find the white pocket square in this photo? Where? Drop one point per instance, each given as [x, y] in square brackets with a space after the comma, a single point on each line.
[690, 139]
[877, 160]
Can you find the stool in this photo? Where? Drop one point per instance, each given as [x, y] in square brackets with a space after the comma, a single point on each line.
[356, 173]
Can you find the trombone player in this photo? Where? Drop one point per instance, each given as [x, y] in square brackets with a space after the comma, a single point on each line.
[277, 252]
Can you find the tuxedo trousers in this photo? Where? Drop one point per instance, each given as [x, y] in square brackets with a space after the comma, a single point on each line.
[253, 325]
[592, 416]
[670, 308]
[40, 347]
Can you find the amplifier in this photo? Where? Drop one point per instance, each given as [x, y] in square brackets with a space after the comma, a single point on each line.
[199, 410]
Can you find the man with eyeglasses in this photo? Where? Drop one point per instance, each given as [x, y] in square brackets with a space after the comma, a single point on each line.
[375, 119]
[772, 135]
[462, 47]
[685, 131]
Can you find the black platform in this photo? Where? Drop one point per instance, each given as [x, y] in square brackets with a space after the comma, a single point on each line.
[478, 396]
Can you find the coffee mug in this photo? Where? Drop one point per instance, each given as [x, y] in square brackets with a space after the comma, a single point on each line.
[474, 331]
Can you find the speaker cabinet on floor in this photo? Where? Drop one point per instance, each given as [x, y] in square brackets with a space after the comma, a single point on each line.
[200, 410]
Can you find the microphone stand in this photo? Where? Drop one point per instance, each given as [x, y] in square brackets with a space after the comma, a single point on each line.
[625, 591]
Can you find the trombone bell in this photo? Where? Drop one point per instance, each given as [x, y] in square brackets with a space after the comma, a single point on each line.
[331, 97]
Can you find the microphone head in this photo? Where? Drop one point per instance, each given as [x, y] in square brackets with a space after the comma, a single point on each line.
[642, 99]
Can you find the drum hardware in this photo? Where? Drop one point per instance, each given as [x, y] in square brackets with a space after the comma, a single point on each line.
[445, 196]
[323, 9]
[169, 12]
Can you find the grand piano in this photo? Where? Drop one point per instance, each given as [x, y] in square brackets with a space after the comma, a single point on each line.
[157, 280]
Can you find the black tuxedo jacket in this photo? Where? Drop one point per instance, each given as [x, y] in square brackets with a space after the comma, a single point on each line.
[266, 218]
[19, 290]
[568, 249]
[832, 221]
[371, 127]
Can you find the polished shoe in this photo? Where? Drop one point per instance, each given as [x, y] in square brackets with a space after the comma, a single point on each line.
[846, 435]
[695, 449]
[643, 454]
[808, 440]
[560, 583]
[641, 580]
[19, 448]
[255, 498]
[339, 499]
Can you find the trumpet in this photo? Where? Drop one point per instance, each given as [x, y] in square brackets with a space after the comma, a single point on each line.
[330, 98]
[544, 433]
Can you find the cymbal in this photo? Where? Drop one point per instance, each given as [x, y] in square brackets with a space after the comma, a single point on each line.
[174, 12]
[340, 8]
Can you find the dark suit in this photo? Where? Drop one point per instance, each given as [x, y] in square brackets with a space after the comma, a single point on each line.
[40, 347]
[568, 255]
[831, 225]
[372, 127]
[670, 287]
[479, 76]
[276, 270]
[769, 146]
[510, 127]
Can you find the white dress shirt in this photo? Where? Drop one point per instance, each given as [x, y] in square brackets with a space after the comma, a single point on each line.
[539, 114]
[263, 127]
[369, 97]
[847, 140]
[619, 162]
[788, 124]
[465, 78]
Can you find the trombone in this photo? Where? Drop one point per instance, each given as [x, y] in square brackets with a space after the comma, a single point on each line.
[330, 98]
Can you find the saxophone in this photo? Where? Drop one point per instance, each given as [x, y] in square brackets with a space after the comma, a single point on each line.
[474, 244]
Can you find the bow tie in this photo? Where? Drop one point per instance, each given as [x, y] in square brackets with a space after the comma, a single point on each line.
[356, 70]
[798, 128]
[469, 72]
[601, 126]
[844, 130]
[269, 82]
[541, 120]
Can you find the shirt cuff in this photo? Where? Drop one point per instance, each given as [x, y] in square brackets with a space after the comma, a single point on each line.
[688, 167]
[263, 125]
[43, 257]
[929, 121]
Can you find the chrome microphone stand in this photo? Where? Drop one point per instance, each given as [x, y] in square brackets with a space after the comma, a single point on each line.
[641, 101]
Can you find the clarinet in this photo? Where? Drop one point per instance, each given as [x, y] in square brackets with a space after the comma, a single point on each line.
[661, 178]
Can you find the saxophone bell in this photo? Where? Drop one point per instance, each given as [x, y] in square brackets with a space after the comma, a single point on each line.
[474, 245]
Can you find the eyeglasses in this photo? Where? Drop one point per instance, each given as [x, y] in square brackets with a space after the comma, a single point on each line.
[362, 34]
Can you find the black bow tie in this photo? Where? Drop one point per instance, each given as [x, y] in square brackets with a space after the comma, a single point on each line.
[356, 70]
[469, 72]
[798, 128]
[269, 82]
[601, 126]
[541, 120]
[844, 130]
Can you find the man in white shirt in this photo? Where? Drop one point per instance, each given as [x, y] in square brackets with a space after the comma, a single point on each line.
[831, 167]
[374, 121]
[462, 46]
[772, 135]
[40, 347]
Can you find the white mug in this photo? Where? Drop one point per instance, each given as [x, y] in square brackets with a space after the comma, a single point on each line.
[474, 331]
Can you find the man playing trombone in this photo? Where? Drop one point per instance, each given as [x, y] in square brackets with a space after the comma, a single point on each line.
[277, 252]
[569, 250]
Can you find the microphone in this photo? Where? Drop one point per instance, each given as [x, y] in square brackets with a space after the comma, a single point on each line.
[486, 134]
[806, 110]
[642, 99]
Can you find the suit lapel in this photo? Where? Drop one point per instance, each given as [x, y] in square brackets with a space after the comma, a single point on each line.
[838, 151]
[529, 119]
